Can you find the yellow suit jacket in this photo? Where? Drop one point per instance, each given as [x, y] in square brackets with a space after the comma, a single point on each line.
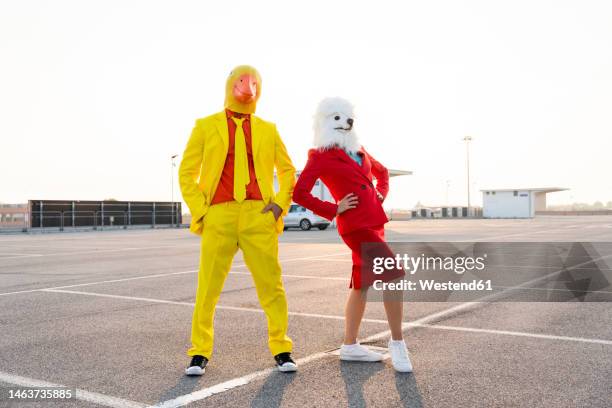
[204, 157]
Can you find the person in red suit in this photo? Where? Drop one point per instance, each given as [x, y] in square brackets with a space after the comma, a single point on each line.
[348, 171]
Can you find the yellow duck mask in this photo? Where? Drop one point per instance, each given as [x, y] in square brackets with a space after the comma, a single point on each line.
[242, 89]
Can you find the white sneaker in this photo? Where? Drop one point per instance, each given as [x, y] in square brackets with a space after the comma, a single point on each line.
[399, 356]
[356, 352]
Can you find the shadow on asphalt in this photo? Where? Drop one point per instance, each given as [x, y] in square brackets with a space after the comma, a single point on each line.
[408, 390]
[270, 395]
[185, 385]
[355, 375]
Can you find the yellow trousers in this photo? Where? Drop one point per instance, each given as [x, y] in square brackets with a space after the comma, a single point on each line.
[227, 227]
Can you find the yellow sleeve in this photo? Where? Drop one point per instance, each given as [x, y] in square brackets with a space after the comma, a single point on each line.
[285, 173]
[189, 173]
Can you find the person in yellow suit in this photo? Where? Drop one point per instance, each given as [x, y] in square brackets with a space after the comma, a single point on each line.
[227, 180]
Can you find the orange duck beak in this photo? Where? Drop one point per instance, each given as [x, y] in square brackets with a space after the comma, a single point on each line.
[242, 89]
[245, 88]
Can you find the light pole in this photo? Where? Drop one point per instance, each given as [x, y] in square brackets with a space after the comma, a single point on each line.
[174, 156]
[467, 140]
[447, 187]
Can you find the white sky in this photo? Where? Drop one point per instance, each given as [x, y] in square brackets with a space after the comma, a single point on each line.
[96, 96]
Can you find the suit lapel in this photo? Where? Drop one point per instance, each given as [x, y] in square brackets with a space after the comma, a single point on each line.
[366, 166]
[342, 155]
[256, 133]
[222, 128]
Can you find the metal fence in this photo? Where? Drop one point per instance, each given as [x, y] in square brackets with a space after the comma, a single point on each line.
[100, 214]
[62, 215]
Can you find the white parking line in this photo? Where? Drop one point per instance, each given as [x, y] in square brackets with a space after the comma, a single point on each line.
[463, 307]
[518, 234]
[423, 322]
[104, 251]
[554, 289]
[77, 285]
[240, 381]
[104, 235]
[82, 395]
[221, 307]
[515, 333]
[417, 323]
[228, 385]
[289, 275]
[107, 295]
[15, 255]
[46, 246]
[161, 275]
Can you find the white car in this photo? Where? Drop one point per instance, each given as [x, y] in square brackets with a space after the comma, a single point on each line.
[300, 217]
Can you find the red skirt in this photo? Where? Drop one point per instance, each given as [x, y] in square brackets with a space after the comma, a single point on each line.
[363, 275]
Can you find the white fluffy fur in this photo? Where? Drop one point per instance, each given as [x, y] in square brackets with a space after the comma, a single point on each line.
[326, 132]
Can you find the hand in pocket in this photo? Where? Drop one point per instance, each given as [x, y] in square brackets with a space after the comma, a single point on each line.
[276, 210]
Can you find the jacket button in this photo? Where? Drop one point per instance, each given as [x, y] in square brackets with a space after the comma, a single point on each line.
[363, 187]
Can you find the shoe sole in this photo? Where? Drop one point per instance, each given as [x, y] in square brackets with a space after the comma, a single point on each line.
[402, 371]
[194, 371]
[362, 359]
[287, 368]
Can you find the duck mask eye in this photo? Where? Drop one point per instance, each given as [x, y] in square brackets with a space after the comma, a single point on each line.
[336, 117]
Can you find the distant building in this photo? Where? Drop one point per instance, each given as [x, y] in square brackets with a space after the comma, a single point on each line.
[515, 203]
[13, 215]
[445, 211]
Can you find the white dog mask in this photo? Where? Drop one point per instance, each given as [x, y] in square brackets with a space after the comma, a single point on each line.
[333, 125]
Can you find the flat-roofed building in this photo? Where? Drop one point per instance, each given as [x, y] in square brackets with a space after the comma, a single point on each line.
[515, 202]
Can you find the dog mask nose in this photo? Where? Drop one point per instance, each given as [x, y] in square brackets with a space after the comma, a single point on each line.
[349, 121]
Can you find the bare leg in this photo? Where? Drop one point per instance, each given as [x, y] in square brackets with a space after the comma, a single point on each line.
[353, 312]
[394, 307]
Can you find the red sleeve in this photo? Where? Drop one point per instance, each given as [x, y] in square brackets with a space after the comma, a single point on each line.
[302, 193]
[381, 174]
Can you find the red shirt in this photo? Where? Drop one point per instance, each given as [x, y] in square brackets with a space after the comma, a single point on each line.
[225, 189]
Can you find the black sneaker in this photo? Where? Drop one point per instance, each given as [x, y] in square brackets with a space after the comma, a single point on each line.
[285, 363]
[197, 366]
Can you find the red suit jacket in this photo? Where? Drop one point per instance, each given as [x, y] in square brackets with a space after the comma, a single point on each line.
[343, 175]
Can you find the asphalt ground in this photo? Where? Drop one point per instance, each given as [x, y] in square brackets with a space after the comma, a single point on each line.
[109, 313]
